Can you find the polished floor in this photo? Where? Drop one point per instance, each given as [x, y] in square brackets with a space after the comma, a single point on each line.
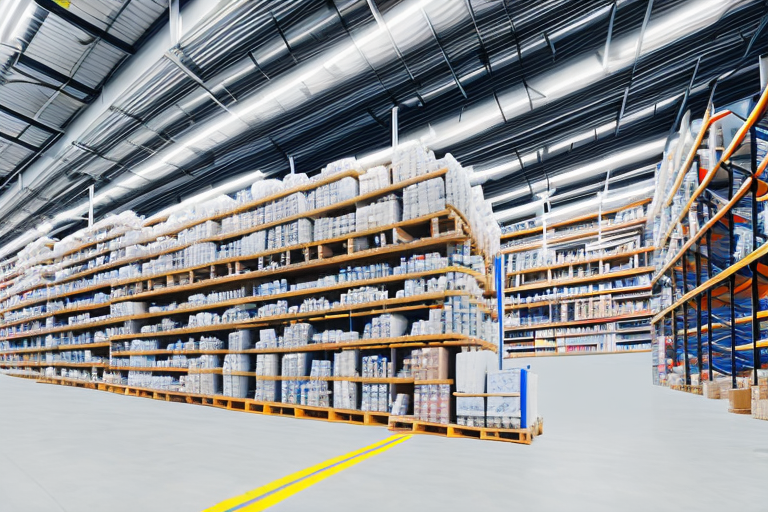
[612, 442]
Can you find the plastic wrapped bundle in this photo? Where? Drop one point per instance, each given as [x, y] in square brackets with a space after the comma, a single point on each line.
[382, 213]
[236, 385]
[239, 340]
[432, 403]
[504, 411]
[266, 188]
[374, 179]
[297, 335]
[334, 192]
[295, 180]
[345, 363]
[344, 394]
[410, 160]
[267, 389]
[345, 164]
[423, 198]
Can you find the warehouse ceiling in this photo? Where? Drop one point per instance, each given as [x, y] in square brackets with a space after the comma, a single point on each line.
[526, 92]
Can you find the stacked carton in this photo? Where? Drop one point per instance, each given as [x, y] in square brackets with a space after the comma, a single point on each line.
[760, 400]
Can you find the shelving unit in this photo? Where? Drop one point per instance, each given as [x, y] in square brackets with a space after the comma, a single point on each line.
[709, 329]
[592, 270]
[253, 291]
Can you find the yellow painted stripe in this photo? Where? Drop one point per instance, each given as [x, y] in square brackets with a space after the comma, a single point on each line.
[277, 491]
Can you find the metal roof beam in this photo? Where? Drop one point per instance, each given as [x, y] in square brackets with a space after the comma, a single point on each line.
[76, 21]
[18, 142]
[63, 80]
[28, 120]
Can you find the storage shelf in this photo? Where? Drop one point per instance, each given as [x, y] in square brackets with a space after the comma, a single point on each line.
[584, 353]
[79, 346]
[252, 257]
[177, 229]
[566, 298]
[244, 300]
[574, 236]
[609, 257]
[278, 319]
[580, 322]
[411, 238]
[267, 225]
[579, 280]
[165, 369]
[58, 312]
[576, 220]
[511, 395]
[71, 364]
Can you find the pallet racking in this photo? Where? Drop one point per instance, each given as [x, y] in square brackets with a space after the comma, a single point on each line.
[578, 286]
[421, 277]
[708, 331]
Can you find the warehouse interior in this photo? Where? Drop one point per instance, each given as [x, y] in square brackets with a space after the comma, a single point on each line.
[327, 251]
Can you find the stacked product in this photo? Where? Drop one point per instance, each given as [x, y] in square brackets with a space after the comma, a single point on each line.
[200, 378]
[471, 370]
[320, 264]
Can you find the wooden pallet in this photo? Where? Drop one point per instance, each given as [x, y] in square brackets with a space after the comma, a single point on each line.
[354, 417]
[415, 426]
[693, 389]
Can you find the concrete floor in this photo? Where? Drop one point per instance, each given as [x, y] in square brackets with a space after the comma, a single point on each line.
[612, 442]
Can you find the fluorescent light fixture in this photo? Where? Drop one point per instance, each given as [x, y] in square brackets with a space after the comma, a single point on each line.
[508, 196]
[620, 159]
[611, 162]
[44, 227]
[635, 190]
[8, 10]
[589, 134]
[519, 211]
[373, 159]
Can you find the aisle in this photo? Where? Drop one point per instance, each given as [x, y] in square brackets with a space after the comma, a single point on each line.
[606, 429]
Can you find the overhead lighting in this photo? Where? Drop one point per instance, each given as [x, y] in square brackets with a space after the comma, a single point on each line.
[373, 159]
[10, 9]
[612, 162]
[44, 228]
[519, 211]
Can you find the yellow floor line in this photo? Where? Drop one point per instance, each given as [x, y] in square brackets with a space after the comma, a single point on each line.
[275, 492]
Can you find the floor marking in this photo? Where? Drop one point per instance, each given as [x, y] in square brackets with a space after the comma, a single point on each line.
[275, 492]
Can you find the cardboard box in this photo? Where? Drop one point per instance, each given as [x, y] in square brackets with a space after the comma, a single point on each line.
[760, 392]
[740, 401]
[760, 409]
[711, 390]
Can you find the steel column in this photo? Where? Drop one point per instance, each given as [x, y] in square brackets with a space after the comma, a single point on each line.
[753, 265]
[686, 362]
[709, 298]
[732, 280]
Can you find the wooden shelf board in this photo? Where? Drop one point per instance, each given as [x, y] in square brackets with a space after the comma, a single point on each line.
[511, 395]
[580, 322]
[578, 280]
[609, 257]
[566, 298]
[317, 263]
[585, 353]
[60, 348]
[574, 236]
[268, 320]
